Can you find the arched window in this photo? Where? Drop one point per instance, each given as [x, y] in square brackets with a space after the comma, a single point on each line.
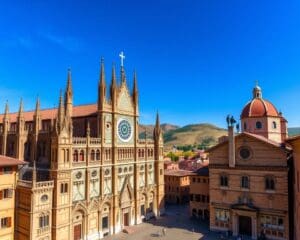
[245, 126]
[93, 155]
[81, 156]
[148, 152]
[98, 155]
[274, 125]
[43, 221]
[270, 183]
[258, 125]
[245, 183]
[75, 156]
[139, 153]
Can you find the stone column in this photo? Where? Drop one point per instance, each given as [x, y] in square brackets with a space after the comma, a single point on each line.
[235, 224]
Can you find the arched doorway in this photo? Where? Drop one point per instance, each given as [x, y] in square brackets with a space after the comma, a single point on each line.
[78, 225]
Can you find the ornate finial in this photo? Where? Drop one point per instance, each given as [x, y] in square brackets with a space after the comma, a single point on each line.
[122, 57]
[257, 91]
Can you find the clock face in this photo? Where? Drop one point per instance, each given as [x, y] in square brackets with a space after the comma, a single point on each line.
[124, 130]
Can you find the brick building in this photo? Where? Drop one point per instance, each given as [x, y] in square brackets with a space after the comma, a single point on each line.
[199, 193]
[177, 186]
[295, 183]
[8, 182]
[249, 175]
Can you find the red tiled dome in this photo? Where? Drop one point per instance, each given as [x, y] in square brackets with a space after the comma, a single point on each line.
[259, 107]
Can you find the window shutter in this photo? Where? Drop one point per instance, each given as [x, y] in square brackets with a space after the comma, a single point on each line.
[9, 222]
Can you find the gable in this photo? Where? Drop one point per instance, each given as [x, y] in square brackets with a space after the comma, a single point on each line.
[263, 152]
[124, 102]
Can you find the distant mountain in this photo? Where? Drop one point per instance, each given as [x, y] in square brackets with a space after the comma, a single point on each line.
[194, 134]
[294, 131]
[148, 129]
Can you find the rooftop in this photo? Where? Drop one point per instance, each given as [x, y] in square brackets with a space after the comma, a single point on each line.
[8, 161]
[178, 173]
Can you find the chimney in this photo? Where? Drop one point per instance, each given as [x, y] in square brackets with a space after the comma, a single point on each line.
[231, 146]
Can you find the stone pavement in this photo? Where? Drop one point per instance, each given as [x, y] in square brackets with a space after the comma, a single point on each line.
[178, 226]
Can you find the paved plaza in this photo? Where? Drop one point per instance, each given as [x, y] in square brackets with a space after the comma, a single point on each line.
[178, 226]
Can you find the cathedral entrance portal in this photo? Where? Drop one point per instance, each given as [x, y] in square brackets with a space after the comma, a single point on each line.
[77, 232]
[126, 219]
[245, 227]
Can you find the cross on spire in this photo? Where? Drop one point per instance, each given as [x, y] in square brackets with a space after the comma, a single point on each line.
[122, 57]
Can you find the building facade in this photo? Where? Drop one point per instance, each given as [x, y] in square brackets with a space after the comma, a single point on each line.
[199, 194]
[249, 175]
[8, 181]
[90, 175]
[295, 182]
[177, 186]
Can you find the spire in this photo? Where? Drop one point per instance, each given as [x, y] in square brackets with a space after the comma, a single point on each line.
[69, 95]
[34, 175]
[69, 82]
[21, 109]
[157, 129]
[113, 85]
[88, 129]
[101, 86]
[157, 123]
[257, 91]
[6, 113]
[102, 73]
[135, 91]
[60, 109]
[123, 75]
[37, 106]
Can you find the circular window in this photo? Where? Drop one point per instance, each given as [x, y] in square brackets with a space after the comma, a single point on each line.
[245, 153]
[106, 172]
[150, 166]
[120, 170]
[142, 167]
[258, 125]
[44, 198]
[130, 169]
[124, 130]
[94, 173]
[125, 169]
[78, 175]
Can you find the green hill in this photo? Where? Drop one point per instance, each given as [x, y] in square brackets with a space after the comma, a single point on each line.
[193, 134]
[294, 131]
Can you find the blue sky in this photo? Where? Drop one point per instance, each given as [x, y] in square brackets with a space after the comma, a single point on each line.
[196, 61]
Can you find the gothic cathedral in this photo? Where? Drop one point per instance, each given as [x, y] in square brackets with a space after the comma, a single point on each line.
[88, 175]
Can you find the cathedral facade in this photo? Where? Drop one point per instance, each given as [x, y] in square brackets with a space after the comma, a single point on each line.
[89, 174]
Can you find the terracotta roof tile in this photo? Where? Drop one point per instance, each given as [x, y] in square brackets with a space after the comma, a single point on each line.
[78, 111]
[259, 107]
[178, 173]
[8, 161]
